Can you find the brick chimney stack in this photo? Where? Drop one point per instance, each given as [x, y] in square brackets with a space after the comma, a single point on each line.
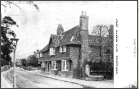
[60, 29]
[84, 42]
[84, 21]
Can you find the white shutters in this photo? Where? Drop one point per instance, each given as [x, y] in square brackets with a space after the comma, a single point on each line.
[52, 51]
[65, 65]
[62, 49]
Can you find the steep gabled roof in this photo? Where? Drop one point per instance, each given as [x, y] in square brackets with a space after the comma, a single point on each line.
[64, 38]
[44, 49]
[72, 36]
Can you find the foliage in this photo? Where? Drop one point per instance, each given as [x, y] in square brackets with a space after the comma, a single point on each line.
[4, 62]
[103, 65]
[100, 30]
[32, 61]
[4, 68]
[24, 62]
[6, 32]
[102, 68]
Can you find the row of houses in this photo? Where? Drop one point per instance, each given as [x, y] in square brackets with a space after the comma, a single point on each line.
[69, 51]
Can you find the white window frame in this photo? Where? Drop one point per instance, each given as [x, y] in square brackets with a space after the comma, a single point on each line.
[54, 65]
[62, 49]
[41, 55]
[64, 65]
[52, 51]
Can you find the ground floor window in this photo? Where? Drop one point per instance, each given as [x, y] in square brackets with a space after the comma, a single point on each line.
[66, 65]
[54, 65]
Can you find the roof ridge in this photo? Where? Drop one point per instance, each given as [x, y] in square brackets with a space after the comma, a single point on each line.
[71, 29]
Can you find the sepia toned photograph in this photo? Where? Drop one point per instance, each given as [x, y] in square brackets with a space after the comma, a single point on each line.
[58, 44]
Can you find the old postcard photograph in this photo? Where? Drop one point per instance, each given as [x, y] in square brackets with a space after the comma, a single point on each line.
[69, 44]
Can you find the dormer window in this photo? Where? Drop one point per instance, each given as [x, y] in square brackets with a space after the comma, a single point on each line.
[62, 49]
[52, 51]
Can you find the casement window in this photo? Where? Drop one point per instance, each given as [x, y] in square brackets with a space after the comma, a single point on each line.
[41, 55]
[54, 65]
[65, 65]
[62, 49]
[52, 51]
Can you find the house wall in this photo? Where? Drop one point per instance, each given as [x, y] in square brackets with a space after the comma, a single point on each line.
[72, 52]
[57, 53]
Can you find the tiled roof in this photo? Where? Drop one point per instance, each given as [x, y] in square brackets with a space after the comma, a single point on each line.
[44, 49]
[68, 35]
[71, 37]
[64, 38]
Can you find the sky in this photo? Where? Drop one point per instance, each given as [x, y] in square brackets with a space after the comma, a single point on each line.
[35, 27]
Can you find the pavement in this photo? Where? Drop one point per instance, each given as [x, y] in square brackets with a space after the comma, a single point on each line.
[96, 84]
[4, 82]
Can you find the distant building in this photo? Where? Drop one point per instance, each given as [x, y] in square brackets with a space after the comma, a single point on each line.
[68, 51]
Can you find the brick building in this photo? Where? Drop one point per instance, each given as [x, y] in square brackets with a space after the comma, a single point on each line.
[68, 51]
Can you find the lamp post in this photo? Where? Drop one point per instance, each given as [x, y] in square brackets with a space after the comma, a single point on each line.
[14, 41]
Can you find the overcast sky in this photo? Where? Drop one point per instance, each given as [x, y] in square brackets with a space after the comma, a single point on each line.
[35, 27]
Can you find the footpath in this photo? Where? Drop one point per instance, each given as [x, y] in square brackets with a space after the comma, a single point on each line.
[4, 82]
[87, 84]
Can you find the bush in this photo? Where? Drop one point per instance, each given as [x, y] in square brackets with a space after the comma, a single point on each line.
[102, 68]
[4, 68]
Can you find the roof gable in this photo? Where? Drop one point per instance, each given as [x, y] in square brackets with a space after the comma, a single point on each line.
[63, 39]
[72, 36]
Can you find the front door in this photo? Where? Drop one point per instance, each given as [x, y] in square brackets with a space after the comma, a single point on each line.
[48, 67]
[59, 65]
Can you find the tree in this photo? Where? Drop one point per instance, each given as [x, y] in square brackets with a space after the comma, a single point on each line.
[32, 61]
[24, 62]
[100, 30]
[105, 37]
[6, 33]
[5, 4]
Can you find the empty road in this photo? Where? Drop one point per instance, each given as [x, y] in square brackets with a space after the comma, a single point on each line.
[31, 80]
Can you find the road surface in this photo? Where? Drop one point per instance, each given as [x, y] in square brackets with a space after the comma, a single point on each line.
[30, 80]
[4, 83]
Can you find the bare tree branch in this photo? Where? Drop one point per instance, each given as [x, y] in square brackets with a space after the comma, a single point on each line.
[15, 5]
[3, 5]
